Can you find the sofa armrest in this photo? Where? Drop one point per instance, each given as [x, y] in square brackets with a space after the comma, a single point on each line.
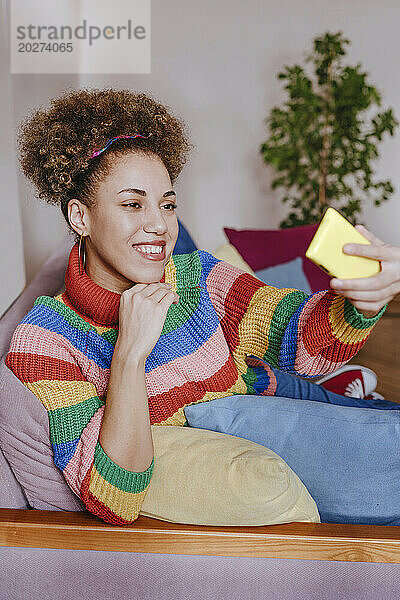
[307, 541]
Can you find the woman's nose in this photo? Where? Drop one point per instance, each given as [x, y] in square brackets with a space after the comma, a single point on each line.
[154, 221]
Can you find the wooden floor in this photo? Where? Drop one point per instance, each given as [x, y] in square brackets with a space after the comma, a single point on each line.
[382, 352]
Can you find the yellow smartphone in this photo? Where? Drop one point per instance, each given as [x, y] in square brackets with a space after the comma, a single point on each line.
[326, 248]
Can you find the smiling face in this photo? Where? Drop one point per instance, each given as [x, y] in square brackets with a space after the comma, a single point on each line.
[134, 203]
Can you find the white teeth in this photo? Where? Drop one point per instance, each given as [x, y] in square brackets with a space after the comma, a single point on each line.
[150, 249]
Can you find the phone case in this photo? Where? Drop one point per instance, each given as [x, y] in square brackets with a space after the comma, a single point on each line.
[325, 249]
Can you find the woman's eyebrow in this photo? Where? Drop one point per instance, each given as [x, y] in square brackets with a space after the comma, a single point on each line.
[143, 192]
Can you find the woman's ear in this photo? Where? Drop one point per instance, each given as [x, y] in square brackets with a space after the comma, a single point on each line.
[77, 216]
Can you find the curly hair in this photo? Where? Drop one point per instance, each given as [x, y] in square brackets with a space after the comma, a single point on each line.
[55, 145]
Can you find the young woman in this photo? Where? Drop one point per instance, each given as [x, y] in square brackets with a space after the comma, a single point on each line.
[138, 334]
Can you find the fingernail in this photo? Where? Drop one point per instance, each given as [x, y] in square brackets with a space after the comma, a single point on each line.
[348, 248]
[336, 283]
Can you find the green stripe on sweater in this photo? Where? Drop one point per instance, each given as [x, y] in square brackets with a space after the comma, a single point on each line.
[357, 319]
[127, 481]
[249, 377]
[188, 273]
[67, 423]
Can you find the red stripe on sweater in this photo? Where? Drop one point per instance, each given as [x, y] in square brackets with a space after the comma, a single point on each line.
[236, 303]
[162, 406]
[341, 352]
[30, 367]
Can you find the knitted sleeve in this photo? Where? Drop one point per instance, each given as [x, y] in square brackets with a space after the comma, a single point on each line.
[43, 361]
[288, 329]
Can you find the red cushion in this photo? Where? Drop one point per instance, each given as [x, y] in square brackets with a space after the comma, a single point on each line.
[262, 248]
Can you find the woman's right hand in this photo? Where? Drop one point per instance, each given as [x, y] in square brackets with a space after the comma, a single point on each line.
[142, 312]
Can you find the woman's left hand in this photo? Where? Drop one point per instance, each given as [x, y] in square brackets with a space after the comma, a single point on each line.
[370, 294]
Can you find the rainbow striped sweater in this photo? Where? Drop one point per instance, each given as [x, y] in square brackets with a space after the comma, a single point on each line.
[218, 341]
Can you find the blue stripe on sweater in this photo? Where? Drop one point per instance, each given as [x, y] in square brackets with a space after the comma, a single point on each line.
[63, 453]
[288, 350]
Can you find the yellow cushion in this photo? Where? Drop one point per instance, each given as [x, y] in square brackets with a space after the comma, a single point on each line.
[204, 477]
[229, 254]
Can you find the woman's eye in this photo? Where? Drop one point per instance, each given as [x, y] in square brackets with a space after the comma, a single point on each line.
[132, 203]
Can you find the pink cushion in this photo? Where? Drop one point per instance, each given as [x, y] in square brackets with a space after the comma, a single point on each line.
[262, 248]
[25, 443]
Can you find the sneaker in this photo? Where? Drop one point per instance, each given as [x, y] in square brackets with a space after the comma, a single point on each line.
[374, 396]
[352, 380]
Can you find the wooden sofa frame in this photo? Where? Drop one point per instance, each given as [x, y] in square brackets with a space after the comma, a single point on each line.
[309, 541]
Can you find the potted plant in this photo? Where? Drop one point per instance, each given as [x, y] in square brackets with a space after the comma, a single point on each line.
[324, 139]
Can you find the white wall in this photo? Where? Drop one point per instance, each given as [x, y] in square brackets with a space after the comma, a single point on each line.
[215, 64]
[11, 244]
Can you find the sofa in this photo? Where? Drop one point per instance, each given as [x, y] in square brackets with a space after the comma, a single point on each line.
[47, 553]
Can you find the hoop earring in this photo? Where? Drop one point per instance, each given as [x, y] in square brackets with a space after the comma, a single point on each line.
[84, 255]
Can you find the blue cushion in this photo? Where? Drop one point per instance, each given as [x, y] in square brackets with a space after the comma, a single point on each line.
[286, 275]
[347, 457]
[184, 243]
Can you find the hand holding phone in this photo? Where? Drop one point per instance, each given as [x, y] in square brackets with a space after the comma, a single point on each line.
[368, 293]
[326, 248]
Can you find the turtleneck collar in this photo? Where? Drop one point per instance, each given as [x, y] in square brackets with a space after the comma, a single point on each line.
[88, 297]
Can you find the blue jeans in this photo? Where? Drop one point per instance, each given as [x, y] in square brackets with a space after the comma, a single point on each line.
[289, 386]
